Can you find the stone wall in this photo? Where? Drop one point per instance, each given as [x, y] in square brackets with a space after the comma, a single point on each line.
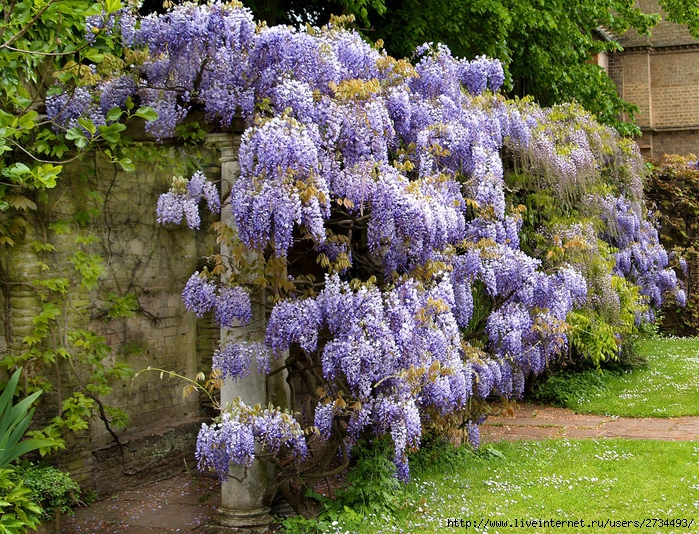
[660, 74]
[142, 258]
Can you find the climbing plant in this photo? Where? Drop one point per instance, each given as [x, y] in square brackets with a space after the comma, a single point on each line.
[47, 48]
[388, 218]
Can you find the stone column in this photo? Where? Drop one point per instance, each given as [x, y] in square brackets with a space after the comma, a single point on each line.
[242, 507]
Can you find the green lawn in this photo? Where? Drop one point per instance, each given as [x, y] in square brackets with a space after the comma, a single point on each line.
[668, 386]
[552, 480]
[615, 479]
[567, 480]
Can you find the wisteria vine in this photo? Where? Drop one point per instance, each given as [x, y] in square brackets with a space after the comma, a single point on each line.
[420, 301]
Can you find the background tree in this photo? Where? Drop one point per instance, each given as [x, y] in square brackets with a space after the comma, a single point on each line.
[546, 47]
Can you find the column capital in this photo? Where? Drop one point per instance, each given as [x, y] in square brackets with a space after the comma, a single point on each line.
[227, 143]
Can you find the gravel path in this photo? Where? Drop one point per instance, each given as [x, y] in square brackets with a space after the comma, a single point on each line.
[178, 504]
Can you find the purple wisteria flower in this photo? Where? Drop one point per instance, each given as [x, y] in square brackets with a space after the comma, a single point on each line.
[199, 295]
[182, 201]
[234, 360]
[474, 434]
[640, 257]
[64, 109]
[323, 420]
[230, 304]
[240, 428]
[220, 444]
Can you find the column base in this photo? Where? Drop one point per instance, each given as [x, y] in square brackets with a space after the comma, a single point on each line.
[230, 521]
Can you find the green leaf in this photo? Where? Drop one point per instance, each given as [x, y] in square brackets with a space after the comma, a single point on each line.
[60, 227]
[48, 312]
[16, 172]
[26, 121]
[22, 448]
[88, 239]
[93, 55]
[90, 267]
[113, 6]
[77, 135]
[88, 125]
[122, 306]
[147, 113]
[7, 395]
[114, 114]
[38, 246]
[127, 164]
[20, 202]
[47, 173]
[14, 421]
[60, 285]
[111, 133]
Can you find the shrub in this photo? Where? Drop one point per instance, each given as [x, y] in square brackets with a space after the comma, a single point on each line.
[369, 490]
[18, 509]
[53, 489]
[674, 188]
[568, 388]
[14, 421]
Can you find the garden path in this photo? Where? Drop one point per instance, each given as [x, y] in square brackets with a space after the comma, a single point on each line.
[530, 421]
[173, 505]
[182, 503]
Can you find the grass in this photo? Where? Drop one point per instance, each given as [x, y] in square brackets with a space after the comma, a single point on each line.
[667, 386]
[552, 479]
[563, 479]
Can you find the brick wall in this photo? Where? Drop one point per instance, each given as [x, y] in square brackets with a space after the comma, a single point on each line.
[631, 71]
[683, 142]
[660, 74]
[675, 88]
[146, 259]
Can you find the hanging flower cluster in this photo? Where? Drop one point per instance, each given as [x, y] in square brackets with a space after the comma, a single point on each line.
[182, 201]
[231, 304]
[233, 438]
